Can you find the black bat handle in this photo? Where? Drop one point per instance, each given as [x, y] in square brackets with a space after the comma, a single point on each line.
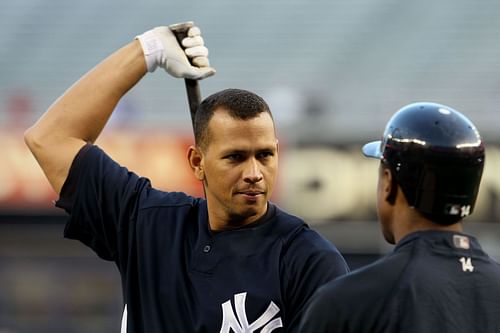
[192, 86]
[194, 97]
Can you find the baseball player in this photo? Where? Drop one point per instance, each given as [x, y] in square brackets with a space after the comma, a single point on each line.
[233, 262]
[437, 278]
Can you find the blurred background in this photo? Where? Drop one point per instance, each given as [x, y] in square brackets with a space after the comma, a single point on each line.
[333, 73]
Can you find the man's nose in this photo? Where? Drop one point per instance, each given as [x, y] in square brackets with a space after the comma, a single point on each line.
[252, 173]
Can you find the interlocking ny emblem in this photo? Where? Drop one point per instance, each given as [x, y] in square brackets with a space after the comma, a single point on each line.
[240, 324]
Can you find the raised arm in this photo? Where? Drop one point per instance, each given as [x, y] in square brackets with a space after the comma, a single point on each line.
[80, 114]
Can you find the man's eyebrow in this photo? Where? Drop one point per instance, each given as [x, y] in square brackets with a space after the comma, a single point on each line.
[234, 151]
[246, 151]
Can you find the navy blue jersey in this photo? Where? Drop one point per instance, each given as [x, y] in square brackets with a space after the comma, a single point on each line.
[433, 281]
[178, 275]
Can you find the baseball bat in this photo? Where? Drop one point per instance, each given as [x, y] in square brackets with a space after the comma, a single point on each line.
[180, 31]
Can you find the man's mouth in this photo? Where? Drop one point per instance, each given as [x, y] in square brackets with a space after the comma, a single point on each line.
[251, 193]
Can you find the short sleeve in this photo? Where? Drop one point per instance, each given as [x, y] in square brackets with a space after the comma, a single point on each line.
[321, 314]
[311, 261]
[101, 198]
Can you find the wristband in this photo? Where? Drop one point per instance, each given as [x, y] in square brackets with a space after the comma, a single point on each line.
[152, 49]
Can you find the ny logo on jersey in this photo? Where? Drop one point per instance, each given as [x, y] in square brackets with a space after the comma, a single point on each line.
[240, 325]
[467, 264]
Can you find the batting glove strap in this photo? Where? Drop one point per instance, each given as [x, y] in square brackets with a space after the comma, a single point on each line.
[152, 48]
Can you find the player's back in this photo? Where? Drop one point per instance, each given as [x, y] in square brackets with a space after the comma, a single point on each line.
[448, 285]
[432, 282]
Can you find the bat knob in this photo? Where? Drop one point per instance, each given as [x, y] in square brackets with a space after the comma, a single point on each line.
[180, 30]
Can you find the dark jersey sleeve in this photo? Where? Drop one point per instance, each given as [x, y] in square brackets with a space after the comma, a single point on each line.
[321, 315]
[311, 261]
[101, 198]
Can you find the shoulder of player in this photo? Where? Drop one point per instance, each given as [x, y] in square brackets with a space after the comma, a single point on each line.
[154, 198]
[297, 231]
[303, 246]
[294, 230]
[373, 281]
[149, 197]
[355, 300]
[380, 279]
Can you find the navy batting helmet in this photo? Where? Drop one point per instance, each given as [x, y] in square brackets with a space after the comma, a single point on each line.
[436, 155]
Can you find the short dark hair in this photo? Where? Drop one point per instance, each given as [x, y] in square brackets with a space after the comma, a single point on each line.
[240, 104]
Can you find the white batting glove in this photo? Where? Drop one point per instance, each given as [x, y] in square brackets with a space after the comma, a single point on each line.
[161, 49]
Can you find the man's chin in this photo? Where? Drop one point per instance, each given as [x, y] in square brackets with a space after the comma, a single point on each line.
[249, 214]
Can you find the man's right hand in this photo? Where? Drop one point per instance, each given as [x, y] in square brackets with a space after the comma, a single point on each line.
[161, 49]
[79, 115]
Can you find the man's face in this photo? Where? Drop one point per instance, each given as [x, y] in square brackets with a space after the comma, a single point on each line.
[240, 165]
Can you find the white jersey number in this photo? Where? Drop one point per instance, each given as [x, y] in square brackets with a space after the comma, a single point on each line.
[466, 264]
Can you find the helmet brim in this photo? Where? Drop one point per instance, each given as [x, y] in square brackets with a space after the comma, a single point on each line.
[372, 149]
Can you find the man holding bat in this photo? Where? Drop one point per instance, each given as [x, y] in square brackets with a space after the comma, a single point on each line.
[233, 262]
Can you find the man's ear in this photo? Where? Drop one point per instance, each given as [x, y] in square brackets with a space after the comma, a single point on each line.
[388, 185]
[195, 159]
